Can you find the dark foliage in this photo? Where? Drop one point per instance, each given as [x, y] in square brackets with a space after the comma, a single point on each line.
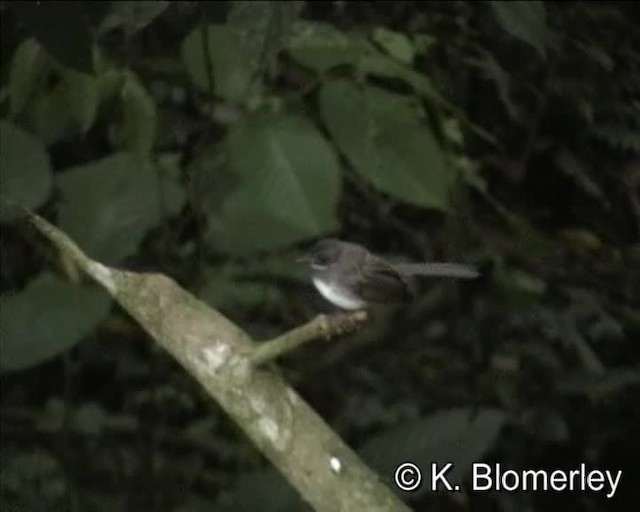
[214, 141]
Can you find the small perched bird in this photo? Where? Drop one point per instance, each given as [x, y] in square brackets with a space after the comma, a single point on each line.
[350, 277]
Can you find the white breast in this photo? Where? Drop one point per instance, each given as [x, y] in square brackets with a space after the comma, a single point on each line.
[337, 295]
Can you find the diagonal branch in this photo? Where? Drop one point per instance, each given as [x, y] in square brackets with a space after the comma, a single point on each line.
[327, 474]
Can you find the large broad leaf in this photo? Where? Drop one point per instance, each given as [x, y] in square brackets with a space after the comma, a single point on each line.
[265, 490]
[68, 109]
[110, 204]
[65, 29]
[132, 16]
[215, 55]
[49, 317]
[263, 28]
[25, 171]
[224, 291]
[384, 140]
[289, 182]
[524, 20]
[111, 79]
[396, 44]
[82, 96]
[140, 117]
[460, 436]
[250, 283]
[28, 69]
[321, 46]
[228, 59]
[375, 63]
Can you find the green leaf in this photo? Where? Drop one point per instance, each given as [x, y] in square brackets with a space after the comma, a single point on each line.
[524, 20]
[320, 46]
[50, 118]
[251, 283]
[173, 194]
[25, 171]
[210, 181]
[49, 317]
[395, 44]
[383, 139]
[264, 490]
[232, 64]
[140, 116]
[82, 96]
[28, 69]
[23, 471]
[89, 419]
[289, 182]
[132, 16]
[69, 109]
[263, 28]
[65, 29]
[110, 204]
[228, 287]
[373, 62]
[110, 78]
[518, 288]
[527, 283]
[461, 436]
[378, 64]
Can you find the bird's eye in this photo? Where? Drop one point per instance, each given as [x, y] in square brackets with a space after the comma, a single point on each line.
[322, 259]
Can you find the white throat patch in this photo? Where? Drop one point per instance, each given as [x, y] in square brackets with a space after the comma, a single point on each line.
[337, 296]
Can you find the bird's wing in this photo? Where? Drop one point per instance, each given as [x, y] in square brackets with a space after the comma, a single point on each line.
[379, 281]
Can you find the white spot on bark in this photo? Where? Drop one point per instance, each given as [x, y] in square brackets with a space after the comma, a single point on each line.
[270, 429]
[258, 404]
[335, 465]
[216, 355]
[273, 425]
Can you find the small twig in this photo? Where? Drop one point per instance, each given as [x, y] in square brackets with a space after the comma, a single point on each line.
[323, 326]
[206, 52]
[536, 122]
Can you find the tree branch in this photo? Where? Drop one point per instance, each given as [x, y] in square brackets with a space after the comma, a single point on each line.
[322, 326]
[319, 465]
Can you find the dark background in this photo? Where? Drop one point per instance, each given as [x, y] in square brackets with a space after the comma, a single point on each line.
[214, 142]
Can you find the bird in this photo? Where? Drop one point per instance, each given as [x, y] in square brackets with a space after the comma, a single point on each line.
[353, 278]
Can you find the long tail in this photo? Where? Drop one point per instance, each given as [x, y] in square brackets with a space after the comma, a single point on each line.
[456, 270]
